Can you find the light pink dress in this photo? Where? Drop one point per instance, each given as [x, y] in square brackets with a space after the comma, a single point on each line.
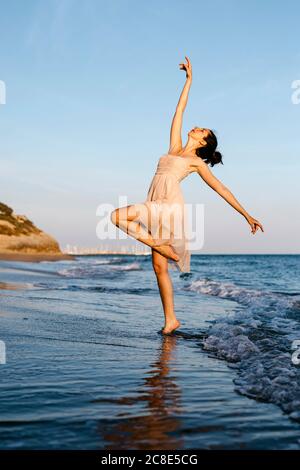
[165, 205]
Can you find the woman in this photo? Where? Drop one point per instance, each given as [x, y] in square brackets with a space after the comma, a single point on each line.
[163, 211]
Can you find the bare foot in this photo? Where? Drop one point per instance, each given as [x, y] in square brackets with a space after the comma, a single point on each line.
[171, 327]
[167, 251]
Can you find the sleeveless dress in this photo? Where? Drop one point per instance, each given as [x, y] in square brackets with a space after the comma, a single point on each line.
[163, 213]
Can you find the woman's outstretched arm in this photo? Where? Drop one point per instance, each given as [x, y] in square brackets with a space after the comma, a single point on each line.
[226, 194]
[175, 134]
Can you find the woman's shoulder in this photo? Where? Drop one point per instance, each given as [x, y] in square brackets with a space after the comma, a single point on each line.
[195, 163]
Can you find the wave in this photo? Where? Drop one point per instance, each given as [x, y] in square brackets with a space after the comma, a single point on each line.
[98, 269]
[256, 339]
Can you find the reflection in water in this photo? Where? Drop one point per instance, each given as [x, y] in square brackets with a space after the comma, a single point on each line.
[158, 424]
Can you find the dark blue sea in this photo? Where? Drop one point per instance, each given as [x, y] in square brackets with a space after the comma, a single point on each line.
[87, 367]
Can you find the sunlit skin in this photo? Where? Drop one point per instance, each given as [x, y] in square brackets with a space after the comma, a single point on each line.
[124, 217]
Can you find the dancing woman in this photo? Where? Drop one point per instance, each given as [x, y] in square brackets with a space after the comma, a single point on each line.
[163, 211]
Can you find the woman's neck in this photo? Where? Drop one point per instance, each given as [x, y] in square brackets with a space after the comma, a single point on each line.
[189, 150]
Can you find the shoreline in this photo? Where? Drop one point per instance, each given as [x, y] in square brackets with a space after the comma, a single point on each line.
[35, 257]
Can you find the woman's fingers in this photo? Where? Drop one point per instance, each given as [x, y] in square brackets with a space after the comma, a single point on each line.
[189, 62]
[255, 226]
[187, 67]
[260, 226]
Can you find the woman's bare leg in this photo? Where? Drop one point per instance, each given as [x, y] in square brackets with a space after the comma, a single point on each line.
[160, 266]
[124, 218]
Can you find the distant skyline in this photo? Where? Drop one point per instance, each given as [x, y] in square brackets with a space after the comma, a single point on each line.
[90, 91]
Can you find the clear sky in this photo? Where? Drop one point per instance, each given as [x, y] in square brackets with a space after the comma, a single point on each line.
[91, 88]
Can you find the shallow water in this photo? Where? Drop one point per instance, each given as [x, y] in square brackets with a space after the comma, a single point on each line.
[87, 368]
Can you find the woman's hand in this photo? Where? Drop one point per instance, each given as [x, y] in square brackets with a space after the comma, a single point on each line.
[187, 67]
[254, 224]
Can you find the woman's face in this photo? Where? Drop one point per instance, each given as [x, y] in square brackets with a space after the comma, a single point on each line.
[199, 133]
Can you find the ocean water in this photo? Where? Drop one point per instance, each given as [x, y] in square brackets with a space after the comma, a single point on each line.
[87, 367]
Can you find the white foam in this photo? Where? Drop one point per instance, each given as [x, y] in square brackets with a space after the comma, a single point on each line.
[96, 269]
[258, 338]
[126, 267]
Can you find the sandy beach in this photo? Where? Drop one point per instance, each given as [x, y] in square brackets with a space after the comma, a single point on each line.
[35, 257]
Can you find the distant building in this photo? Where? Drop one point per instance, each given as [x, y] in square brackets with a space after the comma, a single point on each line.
[137, 249]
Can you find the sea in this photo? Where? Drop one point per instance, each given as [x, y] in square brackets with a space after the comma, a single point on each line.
[84, 365]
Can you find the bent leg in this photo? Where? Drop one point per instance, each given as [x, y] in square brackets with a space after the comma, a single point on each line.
[127, 219]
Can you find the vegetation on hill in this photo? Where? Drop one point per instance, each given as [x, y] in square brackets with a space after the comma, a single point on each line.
[19, 234]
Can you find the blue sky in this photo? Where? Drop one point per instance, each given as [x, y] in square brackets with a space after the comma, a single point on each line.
[91, 88]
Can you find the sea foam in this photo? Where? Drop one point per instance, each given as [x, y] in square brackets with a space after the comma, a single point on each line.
[258, 338]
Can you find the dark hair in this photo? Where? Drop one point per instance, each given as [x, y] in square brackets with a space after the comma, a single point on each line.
[208, 153]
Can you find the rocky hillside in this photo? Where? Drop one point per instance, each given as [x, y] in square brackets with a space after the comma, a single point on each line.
[19, 235]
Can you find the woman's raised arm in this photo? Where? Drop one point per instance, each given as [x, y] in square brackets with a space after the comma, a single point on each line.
[175, 134]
